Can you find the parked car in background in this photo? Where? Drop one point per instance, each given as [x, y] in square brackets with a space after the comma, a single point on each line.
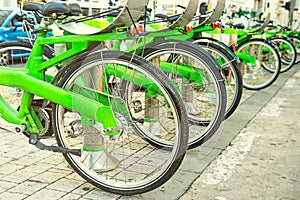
[11, 23]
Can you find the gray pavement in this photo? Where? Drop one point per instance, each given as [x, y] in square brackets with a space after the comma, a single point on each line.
[255, 155]
[263, 161]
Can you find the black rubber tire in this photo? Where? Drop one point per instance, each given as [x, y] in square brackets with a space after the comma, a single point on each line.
[286, 62]
[81, 63]
[233, 67]
[26, 45]
[274, 72]
[296, 42]
[208, 64]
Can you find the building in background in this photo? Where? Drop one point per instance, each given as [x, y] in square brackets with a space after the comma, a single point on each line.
[12, 3]
[259, 8]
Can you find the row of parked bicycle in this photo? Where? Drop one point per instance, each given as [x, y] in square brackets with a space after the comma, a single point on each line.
[126, 97]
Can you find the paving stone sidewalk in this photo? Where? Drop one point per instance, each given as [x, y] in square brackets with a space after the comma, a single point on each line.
[261, 158]
[263, 161]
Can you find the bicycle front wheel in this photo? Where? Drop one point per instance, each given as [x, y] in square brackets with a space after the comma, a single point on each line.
[259, 64]
[141, 98]
[287, 52]
[296, 43]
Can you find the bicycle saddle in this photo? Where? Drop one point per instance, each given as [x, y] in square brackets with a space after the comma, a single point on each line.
[161, 16]
[55, 8]
[72, 9]
[33, 6]
[170, 19]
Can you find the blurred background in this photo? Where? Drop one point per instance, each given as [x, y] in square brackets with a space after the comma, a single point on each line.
[284, 12]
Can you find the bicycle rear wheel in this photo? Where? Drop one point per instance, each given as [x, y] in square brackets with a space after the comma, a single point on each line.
[260, 64]
[197, 76]
[231, 73]
[126, 163]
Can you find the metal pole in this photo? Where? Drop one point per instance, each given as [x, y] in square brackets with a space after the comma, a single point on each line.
[291, 12]
[154, 7]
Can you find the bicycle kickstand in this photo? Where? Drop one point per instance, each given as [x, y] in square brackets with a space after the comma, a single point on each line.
[34, 140]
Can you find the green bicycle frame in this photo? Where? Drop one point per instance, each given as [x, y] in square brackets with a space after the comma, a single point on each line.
[189, 72]
[33, 81]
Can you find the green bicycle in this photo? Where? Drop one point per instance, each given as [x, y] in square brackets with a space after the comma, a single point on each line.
[93, 100]
[260, 63]
[284, 46]
[193, 72]
[227, 60]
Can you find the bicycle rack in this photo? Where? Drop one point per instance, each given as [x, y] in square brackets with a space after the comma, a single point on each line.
[136, 8]
[216, 14]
